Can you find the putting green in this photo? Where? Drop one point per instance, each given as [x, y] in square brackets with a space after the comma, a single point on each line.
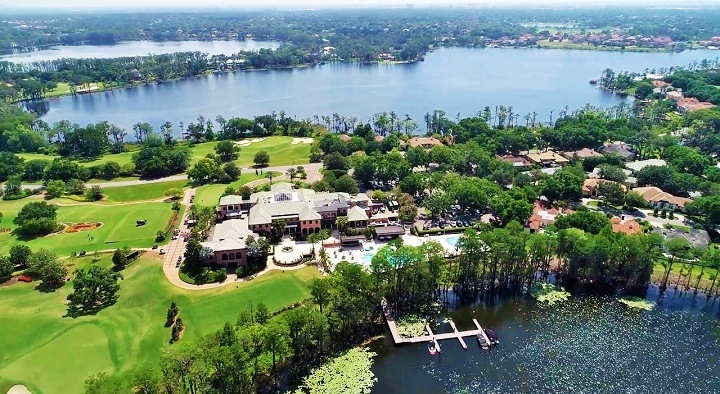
[52, 354]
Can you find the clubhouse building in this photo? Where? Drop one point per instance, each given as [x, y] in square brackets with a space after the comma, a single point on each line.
[304, 211]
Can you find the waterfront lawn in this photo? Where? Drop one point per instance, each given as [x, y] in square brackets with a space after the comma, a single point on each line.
[144, 192]
[677, 269]
[590, 47]
[118, 227]
[51, 354]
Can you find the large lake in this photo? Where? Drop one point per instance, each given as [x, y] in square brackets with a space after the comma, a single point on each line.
[458, 80]
[584, 345]
[137, 48]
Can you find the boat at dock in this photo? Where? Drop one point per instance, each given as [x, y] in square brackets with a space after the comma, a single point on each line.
[431, 348]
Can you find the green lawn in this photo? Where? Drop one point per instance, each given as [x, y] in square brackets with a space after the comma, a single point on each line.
[209, 195]
[590, 47]
[52, 354]
[118, 228]
[148, 191]
[281, 149]
[63, 89]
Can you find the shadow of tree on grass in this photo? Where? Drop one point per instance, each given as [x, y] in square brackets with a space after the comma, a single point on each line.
[75, 310]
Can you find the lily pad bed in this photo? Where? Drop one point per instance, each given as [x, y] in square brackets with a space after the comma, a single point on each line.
[548, 293]
[411, 326]
[638, 303]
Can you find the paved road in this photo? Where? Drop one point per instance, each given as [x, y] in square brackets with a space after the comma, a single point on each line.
[312, 169]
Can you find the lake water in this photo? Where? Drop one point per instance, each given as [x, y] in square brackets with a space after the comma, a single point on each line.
[581, 346]
[458, 80]
[138, 48]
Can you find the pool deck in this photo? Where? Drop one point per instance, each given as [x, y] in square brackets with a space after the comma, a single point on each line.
[354, 254]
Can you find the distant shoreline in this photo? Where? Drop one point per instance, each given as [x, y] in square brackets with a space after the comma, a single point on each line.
[421, 58]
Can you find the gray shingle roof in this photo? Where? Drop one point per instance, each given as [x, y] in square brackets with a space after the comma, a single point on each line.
[356, 214]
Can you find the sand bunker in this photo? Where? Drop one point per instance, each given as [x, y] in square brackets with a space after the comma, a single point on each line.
[248, 142]
[18, 389]
[300, 140]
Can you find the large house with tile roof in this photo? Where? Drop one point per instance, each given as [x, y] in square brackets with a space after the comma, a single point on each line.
[303, 210]
[659, 199]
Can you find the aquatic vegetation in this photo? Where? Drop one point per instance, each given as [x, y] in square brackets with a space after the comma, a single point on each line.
[349, 373]
[548, 293]
[638, 303]
[592, 345]
[411, 326]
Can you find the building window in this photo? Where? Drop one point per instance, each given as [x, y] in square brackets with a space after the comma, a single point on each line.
[239, 256]
[232, 256]
[224, 256]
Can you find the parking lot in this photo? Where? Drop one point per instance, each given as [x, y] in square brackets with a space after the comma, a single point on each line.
[453, 218]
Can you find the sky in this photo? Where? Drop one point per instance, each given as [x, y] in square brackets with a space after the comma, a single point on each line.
[295, 4]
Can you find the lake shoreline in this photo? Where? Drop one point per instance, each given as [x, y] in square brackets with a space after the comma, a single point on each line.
[354, 88]
[208, 73]
[421, 58]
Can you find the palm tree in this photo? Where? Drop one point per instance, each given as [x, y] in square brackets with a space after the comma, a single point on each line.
[279, 225]
[314, 238]
[341, 223]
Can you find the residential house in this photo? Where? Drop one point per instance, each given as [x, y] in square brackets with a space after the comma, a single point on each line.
[657, 198]
[618, 148]
[424, 142]
[583, 153]
[543, 215]
[691, 104]
[516, 161]
[630, 181]
[590, 187]
[545, 158]
[636, 166]
[627, 227]
[344, 137]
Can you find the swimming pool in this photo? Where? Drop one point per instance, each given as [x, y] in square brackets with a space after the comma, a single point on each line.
[367, 258]
[454, 240]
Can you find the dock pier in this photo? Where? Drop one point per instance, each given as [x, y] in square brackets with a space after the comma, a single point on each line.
[456, 334]
[482, 332]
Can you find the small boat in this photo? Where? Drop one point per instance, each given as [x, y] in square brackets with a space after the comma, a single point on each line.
[494, 340]
[482, 342]
[593, 82]
[431, 348]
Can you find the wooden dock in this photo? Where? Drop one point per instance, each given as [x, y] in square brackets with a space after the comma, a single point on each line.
[482, 332]
[456, 334]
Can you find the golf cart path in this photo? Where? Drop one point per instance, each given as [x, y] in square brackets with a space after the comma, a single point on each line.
[312, 169]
